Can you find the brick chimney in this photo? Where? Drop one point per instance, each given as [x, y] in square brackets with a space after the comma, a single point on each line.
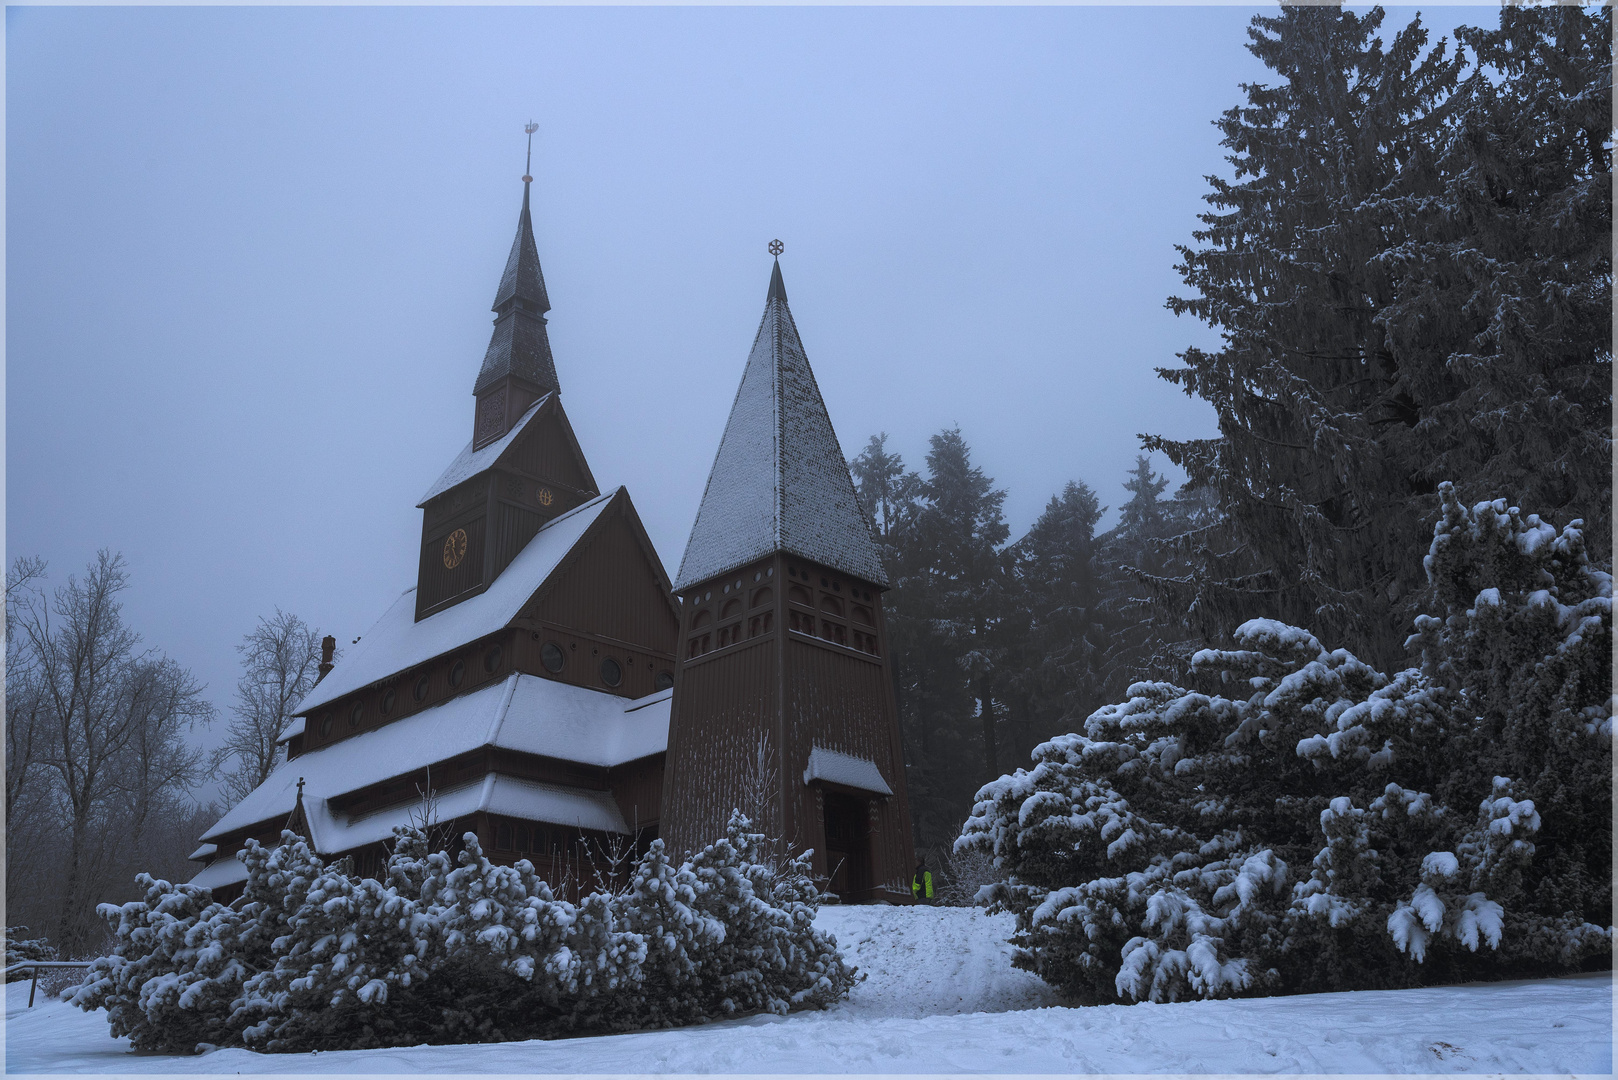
[328, 645]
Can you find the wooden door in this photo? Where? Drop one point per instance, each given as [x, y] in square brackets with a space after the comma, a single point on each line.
[848, 854]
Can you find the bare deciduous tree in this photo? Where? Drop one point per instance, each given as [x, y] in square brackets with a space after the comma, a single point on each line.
[105, 721]
[23, 730]
[759, 789]
[280, 664]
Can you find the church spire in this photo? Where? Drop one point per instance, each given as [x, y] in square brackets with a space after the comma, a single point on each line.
[522, 280]
[518, 363]
[779, 481]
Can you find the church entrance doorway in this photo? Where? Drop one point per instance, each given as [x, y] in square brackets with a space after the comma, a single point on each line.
[848, 845]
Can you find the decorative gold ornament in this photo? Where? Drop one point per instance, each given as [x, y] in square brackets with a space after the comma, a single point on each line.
[454, 549]
[545, 497]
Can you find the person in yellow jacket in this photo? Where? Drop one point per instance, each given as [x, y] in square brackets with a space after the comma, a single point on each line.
[921, 885]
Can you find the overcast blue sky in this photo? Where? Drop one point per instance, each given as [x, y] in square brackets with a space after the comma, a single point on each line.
[250, 255]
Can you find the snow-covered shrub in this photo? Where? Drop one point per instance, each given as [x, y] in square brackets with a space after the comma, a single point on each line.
[168, 984]
[770, 957]
[660, 908]
[312, 957]
[20, 947]
[1296, 820]
[348, 944]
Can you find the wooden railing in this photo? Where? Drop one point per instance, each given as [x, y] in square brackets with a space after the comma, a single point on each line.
[37, 965]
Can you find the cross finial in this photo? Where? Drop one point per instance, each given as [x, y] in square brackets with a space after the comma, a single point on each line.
[300, 788]
[776, 247]
[528, 166]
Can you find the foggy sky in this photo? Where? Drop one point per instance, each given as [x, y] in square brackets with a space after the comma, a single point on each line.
[251, 253]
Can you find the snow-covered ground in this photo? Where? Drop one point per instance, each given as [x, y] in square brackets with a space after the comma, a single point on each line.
[941, 997]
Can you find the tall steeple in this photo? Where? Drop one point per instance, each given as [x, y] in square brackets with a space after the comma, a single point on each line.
[783, 668]
[779, 481]
[518, 367]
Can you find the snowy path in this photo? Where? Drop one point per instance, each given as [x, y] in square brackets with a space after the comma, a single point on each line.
[941, 998]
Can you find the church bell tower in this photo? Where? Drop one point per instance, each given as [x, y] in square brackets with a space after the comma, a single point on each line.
[523, 466]
[783, 702]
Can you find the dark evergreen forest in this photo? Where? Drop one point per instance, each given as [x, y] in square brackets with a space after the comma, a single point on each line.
[1409, 265]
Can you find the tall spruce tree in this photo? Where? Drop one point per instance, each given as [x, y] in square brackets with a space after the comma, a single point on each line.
[1412, 277]
[942, 536]
[1503, 316]
[887, 491]
[962, 528]
[1316, 464]
[1142, 517]
[1055, 670]
[1144, 641]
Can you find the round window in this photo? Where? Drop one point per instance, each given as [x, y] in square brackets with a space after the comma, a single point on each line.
[611, 673]
[665, 679]
[552, 656]
[457, 673]
[355, 713]
[421, 686]
[387, 701]
[492, 658]
[325, 725]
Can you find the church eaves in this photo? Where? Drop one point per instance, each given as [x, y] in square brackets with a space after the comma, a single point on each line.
[779, 481]
[520, 345]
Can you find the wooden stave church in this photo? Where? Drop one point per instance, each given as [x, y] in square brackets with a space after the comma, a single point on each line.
[536, 678]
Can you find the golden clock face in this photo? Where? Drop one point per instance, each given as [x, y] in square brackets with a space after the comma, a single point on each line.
[545, 497]
[454, 549]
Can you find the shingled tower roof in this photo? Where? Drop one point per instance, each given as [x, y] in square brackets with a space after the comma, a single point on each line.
[779, 481]
[520, 345]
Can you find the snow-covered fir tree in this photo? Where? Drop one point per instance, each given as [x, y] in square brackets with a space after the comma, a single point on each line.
[1297, 820]
[1412, 279]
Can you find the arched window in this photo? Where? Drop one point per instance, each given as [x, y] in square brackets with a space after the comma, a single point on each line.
[731, 607]
[763, 596]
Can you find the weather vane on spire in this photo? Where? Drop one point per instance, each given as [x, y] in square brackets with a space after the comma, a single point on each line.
[528, 166]
[776, 247]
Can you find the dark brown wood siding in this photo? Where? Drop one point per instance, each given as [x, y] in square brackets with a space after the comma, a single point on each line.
[814, 674]
[611, 590]
[841, 699]
[723, 703]
[438, 582]
[544, 452]
[517, 526]
[638, 789]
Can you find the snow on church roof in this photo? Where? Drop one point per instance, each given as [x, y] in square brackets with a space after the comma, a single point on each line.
[525, 713]
[495, 793]
[468, 463]
[836, 767]
[228, 870]
[397, 641]
[779, 480]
